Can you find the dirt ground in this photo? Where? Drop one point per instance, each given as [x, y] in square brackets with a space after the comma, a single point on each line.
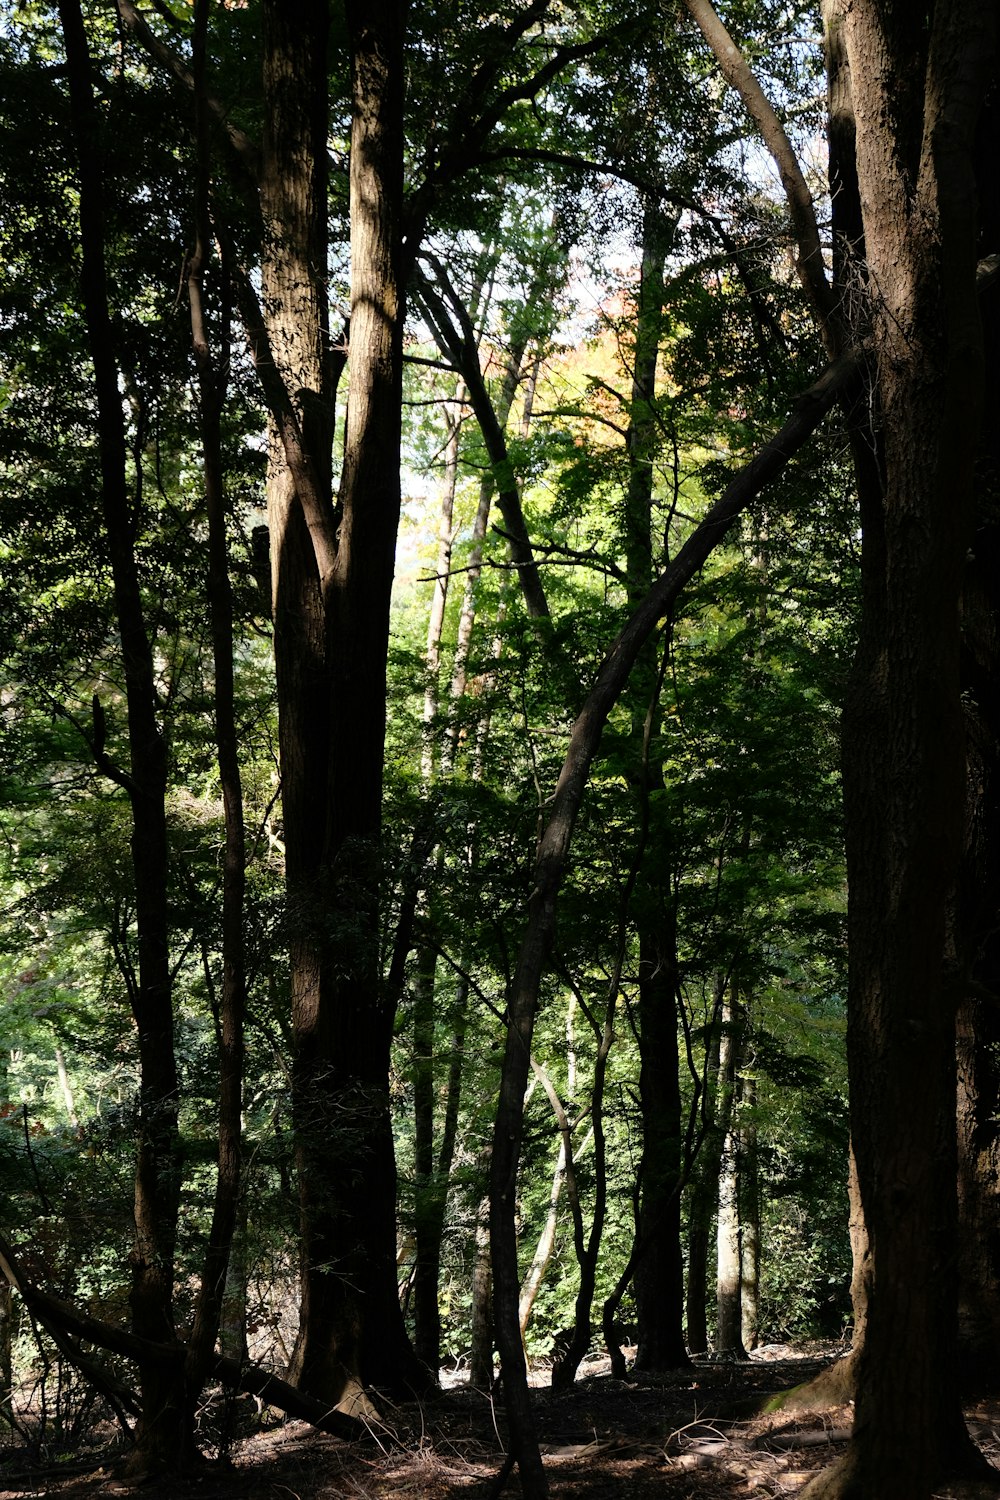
[685, 1436]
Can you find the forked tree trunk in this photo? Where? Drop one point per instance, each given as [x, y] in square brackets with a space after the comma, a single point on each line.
[332, 579]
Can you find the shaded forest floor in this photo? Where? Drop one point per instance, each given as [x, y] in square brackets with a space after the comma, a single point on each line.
[684, 1436]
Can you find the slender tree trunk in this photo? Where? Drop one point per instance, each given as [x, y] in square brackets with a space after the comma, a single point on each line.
[481, 1353]
[704, 1196]
[535, 1274]
[426, 1315]
[728, 1318]
[163, 1439]
[749, 1221]
[212, 384]
[659, 1277]
[459, 345]
[7, 1330]
[233, 1312]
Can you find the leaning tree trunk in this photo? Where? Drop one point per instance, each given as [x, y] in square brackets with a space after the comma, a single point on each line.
[550, 862]
[904, 770]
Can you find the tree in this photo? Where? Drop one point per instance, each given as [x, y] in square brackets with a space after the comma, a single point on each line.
[903, 736]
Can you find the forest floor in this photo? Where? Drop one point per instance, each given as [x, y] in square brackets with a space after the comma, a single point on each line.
[683, 1436]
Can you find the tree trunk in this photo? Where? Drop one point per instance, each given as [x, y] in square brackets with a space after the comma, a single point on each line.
[164, 1436]
[978, 1030]
[704, 1196]
[332, 579]
[426, 1314]
[728, 1319]
[749, 1223]
[659, 1277]
[481, 1352]
[212, 382]
[903, 734]
[535, 1274]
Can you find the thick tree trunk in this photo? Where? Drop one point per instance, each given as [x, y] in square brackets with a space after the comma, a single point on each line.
[903, 734]
[332, 579]
[978, 1031]
[293, 205]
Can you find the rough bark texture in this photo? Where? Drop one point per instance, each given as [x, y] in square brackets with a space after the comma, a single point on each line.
[332, 579]
[903, 734]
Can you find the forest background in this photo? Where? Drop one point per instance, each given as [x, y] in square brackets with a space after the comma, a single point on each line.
[510, 307]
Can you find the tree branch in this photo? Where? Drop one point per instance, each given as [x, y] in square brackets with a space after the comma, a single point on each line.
[809, 258]
[61, 1318]
[316, 508]
[169, 61]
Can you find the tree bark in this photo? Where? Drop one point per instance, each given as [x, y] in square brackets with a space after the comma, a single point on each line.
[903, 736]
[332, 580]
[978, 1031]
